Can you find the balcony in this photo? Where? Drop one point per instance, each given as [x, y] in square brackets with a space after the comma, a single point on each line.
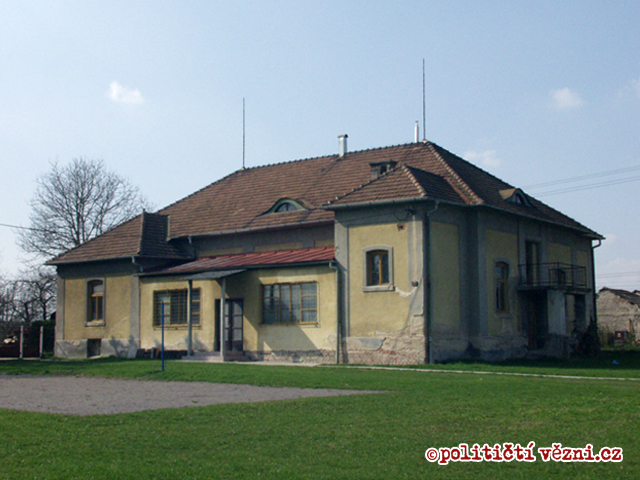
[555, 275]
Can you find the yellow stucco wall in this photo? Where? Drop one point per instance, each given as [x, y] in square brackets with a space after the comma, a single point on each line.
[293, 337]
[177, 337]
[117, 308]
[502, 246]
[248, 287]
[445, 269]
[559, 253]
[379, 311]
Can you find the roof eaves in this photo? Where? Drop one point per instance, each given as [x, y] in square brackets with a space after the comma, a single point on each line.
[395, 201]
[580, 228]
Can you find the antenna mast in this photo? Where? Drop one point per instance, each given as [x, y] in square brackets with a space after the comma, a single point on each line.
[424, 106]
[243, 133]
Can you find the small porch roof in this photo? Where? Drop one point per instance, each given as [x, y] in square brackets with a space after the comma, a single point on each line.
[225, 265]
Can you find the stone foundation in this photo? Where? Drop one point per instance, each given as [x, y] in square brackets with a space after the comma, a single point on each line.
[293, 356]
[109, 347]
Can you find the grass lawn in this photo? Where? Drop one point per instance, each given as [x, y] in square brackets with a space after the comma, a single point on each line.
[368, 436]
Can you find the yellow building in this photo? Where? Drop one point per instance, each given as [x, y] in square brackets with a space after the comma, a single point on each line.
[397, 255]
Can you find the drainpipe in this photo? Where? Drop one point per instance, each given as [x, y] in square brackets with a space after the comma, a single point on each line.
[593, 281]
[189, 324]
[427, 254]
[334, 266]
[223, 294]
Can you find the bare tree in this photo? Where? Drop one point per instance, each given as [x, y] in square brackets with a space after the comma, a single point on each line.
[76, 202]
[35, 295]
[8, 317]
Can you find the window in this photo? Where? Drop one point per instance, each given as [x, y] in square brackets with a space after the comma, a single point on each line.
[172, 305]
[502, 287]
[378, 267]
[95, 301]
[290, 303]
[285, 205]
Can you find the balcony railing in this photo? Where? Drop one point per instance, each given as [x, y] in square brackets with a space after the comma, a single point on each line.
[552, 275]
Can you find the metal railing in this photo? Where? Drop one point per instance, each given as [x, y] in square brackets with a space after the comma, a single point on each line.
[552, 275]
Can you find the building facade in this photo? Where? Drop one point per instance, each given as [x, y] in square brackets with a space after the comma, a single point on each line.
[398, 255]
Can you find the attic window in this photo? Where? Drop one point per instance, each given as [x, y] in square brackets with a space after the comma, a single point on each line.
[285, 205]
[380, 168]
[515, 195]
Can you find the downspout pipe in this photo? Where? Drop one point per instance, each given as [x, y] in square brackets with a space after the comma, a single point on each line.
[334, 266]
[593, 281]
[428, 275]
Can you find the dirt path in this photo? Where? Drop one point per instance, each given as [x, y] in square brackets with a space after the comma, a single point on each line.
[103, 396]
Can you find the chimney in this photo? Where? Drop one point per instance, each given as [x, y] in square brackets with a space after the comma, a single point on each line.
[417, 132]
[342, 139]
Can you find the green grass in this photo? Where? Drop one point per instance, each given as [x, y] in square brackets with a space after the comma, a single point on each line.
[365, 436]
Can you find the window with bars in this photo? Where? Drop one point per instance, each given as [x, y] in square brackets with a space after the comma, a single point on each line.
[172, 306]
[290, 303]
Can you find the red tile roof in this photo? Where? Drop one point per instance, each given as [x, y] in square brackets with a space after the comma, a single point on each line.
[238, 202]
[304, 256]
[142, 236]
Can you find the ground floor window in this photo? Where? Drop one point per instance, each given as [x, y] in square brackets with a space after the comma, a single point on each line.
[95, 301]
[502, 287]
[172, 306]
[290, 303]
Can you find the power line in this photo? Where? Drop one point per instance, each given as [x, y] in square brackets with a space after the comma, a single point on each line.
[589, 187]
[24, 228]
[583, 177]
[615, 275]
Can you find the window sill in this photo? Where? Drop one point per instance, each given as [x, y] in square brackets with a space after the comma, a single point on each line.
[177, 327]
[379, 288]
[290, 324]
[95, 324]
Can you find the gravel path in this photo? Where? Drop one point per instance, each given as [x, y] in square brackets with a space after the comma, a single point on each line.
[103, 396]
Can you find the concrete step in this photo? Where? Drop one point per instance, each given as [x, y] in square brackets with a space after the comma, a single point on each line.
[207, 357]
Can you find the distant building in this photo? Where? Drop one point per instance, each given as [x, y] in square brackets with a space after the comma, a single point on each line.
[619, 315]
[399, 255]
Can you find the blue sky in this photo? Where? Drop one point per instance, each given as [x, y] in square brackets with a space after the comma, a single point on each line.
[531, 91]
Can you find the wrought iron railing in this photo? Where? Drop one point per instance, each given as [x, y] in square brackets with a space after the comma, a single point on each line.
[552, 275]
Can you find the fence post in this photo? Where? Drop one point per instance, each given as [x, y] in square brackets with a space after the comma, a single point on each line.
[41, 340]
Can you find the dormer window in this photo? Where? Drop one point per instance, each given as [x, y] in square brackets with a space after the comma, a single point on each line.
[285, 205]
[380, 168]
[515, 195]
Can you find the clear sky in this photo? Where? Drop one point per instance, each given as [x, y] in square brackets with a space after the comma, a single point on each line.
[532, 91]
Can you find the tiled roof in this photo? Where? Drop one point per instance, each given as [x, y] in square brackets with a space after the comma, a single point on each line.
[302, 256]
[142, 236]
[631, 297]
[238, 202]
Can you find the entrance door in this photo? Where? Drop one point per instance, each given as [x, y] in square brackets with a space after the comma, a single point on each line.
[536, 314]
[233, 319]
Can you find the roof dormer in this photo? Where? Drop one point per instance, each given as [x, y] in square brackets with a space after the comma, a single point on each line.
[380, 168]
[517, 196]
[285, 205]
